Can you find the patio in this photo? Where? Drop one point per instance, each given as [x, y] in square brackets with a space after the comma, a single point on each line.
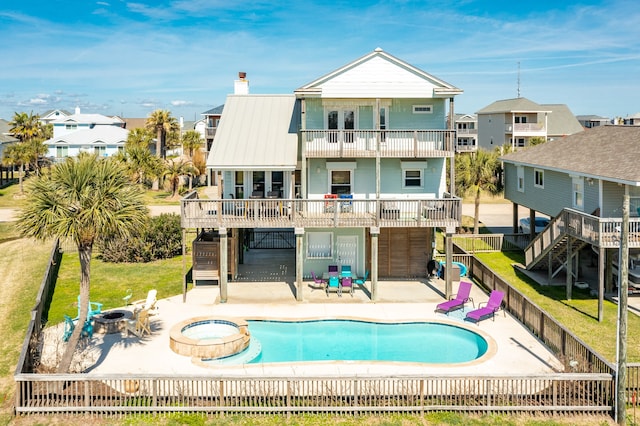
[513, 350]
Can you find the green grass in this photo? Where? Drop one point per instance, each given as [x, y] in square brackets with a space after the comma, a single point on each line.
[9, 197]
[580, 314]
[110, 282]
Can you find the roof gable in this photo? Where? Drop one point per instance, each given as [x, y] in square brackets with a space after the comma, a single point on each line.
[378, 75]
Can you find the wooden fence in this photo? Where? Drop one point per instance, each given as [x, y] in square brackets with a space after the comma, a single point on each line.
[122, 394]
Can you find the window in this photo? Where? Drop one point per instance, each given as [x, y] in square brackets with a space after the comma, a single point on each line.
[340, 182]
[538, 178]
[62, 151]
[239, 185]
[578, 193]
[71, 127]
[520, 171]
[412, 178]
[100, 151]
[422, 109]
[319, 245]
[277, 182]
[521, 119]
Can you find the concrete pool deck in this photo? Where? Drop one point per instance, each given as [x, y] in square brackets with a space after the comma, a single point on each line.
[513, 350]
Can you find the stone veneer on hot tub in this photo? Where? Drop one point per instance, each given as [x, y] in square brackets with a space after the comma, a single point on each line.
[209, 348]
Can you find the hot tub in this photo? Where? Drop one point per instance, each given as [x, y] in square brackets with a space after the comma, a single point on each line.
[209, 337]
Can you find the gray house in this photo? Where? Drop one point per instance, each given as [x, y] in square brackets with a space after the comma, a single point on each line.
[580, 182]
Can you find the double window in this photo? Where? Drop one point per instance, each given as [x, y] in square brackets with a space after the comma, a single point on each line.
[412, 178]
[341, 181]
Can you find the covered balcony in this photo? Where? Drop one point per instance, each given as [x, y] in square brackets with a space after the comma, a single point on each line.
[373, 143]
[319, 213]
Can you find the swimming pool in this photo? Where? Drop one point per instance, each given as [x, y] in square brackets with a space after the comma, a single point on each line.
[352, 340]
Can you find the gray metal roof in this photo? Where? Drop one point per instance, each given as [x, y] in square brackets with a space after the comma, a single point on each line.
[99, 134]
[605, 152]
[257, 132]
[214, 111]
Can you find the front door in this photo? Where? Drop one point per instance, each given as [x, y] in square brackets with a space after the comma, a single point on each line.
[347, 251]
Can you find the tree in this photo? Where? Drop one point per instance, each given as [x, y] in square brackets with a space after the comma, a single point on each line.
[191, 141]
[162, 122]
[536, 140]
[477, 172]
[26, 126]
[175, 169]
[83, 199]
[17, 155]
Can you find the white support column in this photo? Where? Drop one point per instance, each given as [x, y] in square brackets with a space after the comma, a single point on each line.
[375, 232]
[448, 262]
[223, 264]
[299, 262]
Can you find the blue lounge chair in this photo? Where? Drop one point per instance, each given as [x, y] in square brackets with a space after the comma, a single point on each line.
[458, 301]
[492, 306]
[361, 281]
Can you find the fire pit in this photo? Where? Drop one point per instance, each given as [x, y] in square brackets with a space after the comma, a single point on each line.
[111, 321]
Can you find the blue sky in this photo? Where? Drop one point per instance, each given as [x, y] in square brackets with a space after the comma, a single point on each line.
[131, 57]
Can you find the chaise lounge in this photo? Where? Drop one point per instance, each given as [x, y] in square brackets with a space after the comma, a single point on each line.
[493, 305]
[458, 301]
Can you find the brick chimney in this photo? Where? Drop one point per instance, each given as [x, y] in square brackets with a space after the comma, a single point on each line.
[241, 85]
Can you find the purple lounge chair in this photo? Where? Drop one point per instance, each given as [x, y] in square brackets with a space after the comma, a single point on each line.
[458, 301]
[319, 283]
[489, 310]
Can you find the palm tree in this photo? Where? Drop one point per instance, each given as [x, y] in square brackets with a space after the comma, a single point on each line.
[174, 170]
[17, 154]
[477, 172]
[26, 126]
[191, 141]
[162, 122]
[83, 199]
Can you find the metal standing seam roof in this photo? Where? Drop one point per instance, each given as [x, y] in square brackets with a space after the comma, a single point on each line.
[605, 152]
[257, 132]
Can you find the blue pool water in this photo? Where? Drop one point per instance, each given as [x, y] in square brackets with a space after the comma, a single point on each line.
[325, 340]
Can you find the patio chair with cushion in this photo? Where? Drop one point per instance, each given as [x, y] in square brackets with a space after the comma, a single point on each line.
[333, 284]
[149, 303]
[458, 301]
[345, 271]
[333, 268]
[489, 310]
[346, 284]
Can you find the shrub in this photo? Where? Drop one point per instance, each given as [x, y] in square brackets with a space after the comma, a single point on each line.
[160, 238]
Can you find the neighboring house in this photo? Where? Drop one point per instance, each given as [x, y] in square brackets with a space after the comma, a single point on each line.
[353, 164]
[591, 121]
[6, 138]
[209, 125]
[561, 122]
[93, 133]
[580, 182]
[52, 115]
[466, 126]
[632, 120]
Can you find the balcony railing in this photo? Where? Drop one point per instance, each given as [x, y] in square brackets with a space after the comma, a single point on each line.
[210, 132]
[467, 131]
[530, 128]
[320, 213]
[371, 143]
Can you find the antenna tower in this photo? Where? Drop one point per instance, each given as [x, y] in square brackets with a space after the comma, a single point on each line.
[518, 78]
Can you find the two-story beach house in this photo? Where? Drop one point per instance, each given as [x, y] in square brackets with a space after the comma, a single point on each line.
[581, 182]
[466, 126]
[353, 164]
[94, 133]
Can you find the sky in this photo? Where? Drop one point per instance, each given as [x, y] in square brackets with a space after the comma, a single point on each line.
[128, 58]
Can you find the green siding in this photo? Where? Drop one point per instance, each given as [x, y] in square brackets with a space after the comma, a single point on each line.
[314, 114]
[365, 118]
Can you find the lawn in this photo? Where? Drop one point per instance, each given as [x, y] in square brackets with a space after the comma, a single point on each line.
[111, 281]
[9, 197]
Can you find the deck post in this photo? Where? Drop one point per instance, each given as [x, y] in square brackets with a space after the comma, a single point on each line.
[375, 232]
[222, 279]
[299, 263]
[601, 255]
[448, 262]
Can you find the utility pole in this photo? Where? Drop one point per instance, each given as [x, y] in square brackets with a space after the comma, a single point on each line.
[623, 288]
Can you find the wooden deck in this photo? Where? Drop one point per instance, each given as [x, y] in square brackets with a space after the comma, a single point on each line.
[320, 213]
